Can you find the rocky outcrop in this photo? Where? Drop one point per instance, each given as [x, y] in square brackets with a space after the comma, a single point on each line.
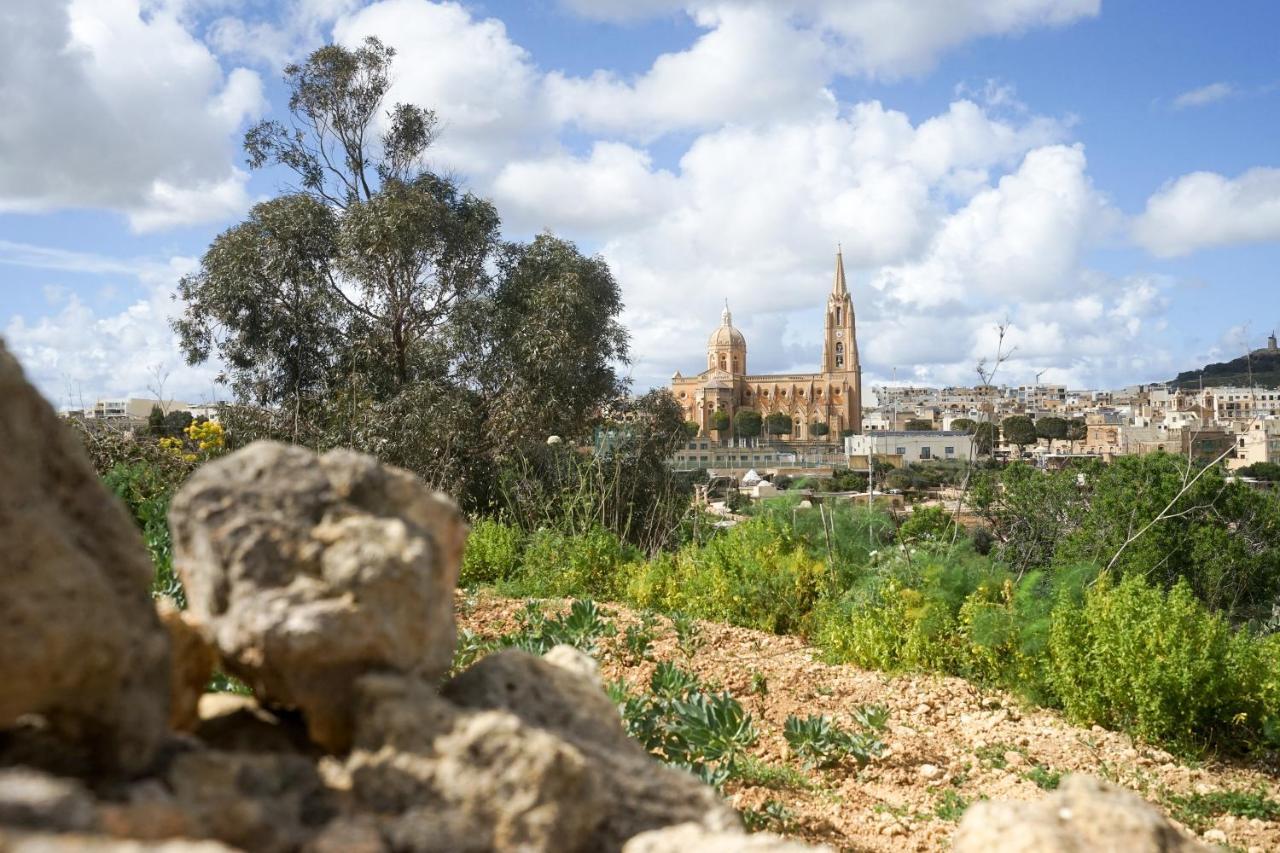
[81, 646]
[637, 793]
[687, 837]
[1085, 813]
[305, 572]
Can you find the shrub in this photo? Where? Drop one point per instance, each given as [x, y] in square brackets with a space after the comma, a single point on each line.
[559, 565]
[1159, 665]
[493, 553]
[820, 742]
[927, 524]
[146, 490]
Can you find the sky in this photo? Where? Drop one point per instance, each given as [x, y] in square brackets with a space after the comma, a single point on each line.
[1102, 178]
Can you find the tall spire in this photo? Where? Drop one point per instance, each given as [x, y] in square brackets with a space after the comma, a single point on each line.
[839, 288]
[726, 319]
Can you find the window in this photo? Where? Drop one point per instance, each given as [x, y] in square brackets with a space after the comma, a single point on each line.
[837, 318]
[949, 451]
[900, 451]
[925, 454]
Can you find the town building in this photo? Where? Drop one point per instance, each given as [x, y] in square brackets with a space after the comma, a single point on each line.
[827, 403]
[899, 448]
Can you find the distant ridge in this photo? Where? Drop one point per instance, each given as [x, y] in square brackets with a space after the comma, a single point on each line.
[1265, 365]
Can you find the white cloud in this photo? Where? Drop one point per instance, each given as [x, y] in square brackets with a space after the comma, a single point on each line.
[105, 107]
[76, 354]
[1204, 95]
[1205, 209]
[484, 87]
[615, 187]
[751, 66]
[876, 37]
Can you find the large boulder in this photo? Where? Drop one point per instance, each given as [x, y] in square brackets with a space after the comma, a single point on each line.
[562, 697]
[80, 642]
[306, 571]
[1085, 813]
[444, 778]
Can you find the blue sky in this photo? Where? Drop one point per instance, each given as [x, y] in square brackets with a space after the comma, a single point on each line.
[1101, 175]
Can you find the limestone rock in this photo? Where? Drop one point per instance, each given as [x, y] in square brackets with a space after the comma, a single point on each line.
[266, 803]
[80, 642]
[638, 793]
[1085, 813]
[36, 800]
[687, 837]
[40, 842]
[308, 571]
[448, 778]
[192, 665]
[234, 723]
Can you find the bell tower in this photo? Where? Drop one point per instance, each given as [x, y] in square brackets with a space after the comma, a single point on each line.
[840, 343]
[843, 372]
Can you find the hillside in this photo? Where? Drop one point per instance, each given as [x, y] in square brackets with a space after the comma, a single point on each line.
[948, 744]
[1265, 367]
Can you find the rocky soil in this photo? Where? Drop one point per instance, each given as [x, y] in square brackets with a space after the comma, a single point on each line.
[949, 744]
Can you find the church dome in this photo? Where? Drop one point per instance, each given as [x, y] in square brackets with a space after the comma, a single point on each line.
[726, 336]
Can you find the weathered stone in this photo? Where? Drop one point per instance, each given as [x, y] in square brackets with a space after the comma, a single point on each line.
[192, 661]
[308, 571]
[40, 842]
[459, 779]
[36, 800]
[638, 793]
[266, 803]
[236, 723]
[358, 834]
[148, 812]
[80, 642]
[688, 837]
[1084, 813]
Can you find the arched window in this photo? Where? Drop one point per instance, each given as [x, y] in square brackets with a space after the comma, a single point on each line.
[837, 316]
[722, 362]
[839, 354]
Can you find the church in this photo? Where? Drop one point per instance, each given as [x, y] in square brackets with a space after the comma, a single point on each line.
[831, 398]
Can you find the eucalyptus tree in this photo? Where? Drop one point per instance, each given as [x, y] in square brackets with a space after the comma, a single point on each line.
[374, 303]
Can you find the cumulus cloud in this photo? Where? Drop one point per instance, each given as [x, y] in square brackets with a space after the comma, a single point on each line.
[1204, 95]
[105, 107]
[876, 37]
[751, 66]
[485, 88]
[75, 354]
[1205, 209]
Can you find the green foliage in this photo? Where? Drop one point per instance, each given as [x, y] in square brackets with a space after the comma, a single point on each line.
[919, 425]
[927, 524]
[688, 634]
[755, 575]
[146, 491]
[1052, 428]
[819, 429]
[493, 554]
[582, 627]
[1157, 664]
[1045, 778]
[950, 806]
[1198, 810]
[1019, 430]
[772, 815]
[682, 724]
[964, 425]
[719, 421]
[748, 423]
[778, 423]
[1269, 471]
[820, 742]
[558, 565]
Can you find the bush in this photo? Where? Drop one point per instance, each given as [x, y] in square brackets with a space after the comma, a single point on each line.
[1159, 665]
[927, 524]
[756, 575]
[493, 553]
[146, 490]
[560, 565]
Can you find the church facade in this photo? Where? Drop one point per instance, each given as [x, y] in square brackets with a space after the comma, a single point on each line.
[832, 397]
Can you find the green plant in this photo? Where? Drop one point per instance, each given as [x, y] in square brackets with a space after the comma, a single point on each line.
[493, 553]
[714, 727]
[688, 634]
[1044, 777]
[220, 682]
[146, 490]
[754, 771]
[1158, 665]
[950, 805]
[582, 627]
[1198, 810]
[636, 643]
[771, 815]
[819, 742]
[759, 683]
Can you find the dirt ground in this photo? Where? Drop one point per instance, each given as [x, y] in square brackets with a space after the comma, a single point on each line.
[948, 743]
